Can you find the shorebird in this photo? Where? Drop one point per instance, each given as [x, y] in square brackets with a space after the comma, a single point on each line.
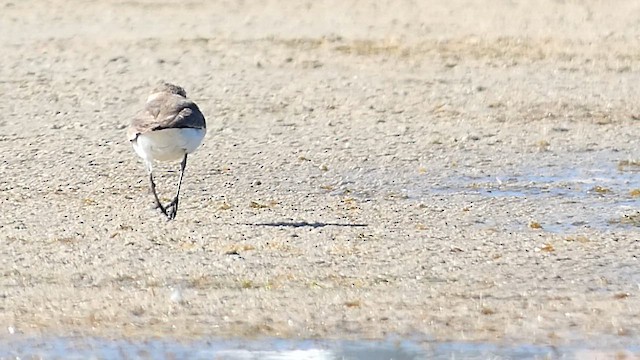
[169, 128]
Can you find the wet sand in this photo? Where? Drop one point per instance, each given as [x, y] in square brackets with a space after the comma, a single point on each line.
[452, 172]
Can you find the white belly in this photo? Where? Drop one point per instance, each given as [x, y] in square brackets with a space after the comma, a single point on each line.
[168, 144]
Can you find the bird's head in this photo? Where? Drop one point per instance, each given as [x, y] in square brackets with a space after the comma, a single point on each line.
[169, 88]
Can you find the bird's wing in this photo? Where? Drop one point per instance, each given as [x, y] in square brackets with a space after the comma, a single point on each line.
[166, 112]
[141, 123]
[182, 113]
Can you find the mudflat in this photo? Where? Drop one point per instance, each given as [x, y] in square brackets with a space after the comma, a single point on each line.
[445, 170]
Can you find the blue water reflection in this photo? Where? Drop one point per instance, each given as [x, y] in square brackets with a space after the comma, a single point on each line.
[279, 349]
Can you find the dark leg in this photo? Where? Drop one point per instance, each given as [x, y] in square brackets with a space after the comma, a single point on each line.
[172, 207]
[155, 195]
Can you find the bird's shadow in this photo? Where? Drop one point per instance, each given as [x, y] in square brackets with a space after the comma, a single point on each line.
[299, 224]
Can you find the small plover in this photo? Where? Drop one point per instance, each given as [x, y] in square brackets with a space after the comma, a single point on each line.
[170, 128]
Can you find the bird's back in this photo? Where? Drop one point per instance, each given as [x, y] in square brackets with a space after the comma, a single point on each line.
[170, 126]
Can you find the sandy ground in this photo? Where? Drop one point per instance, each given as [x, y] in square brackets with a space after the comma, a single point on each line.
[446, 170]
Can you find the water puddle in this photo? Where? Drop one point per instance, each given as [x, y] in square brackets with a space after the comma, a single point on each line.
[278, 349]
[593, 191]
[598, 197]
[569, 183]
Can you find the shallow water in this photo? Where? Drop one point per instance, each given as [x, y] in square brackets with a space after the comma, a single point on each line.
[572, 183]
[278, 349]
[564, 198]
[595, 195]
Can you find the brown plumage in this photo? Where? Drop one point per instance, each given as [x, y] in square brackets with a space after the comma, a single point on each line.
[167, 108]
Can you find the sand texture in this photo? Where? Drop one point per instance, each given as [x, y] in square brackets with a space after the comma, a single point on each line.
[448, 170]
